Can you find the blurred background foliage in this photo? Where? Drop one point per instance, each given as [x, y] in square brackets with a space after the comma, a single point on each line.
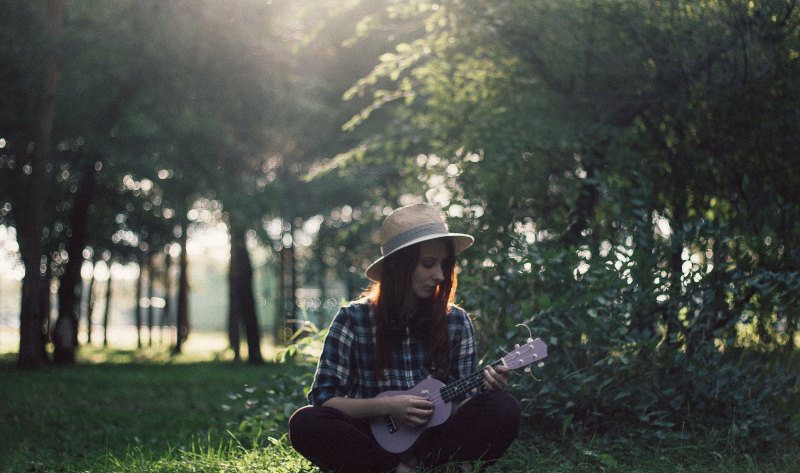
[629, 170]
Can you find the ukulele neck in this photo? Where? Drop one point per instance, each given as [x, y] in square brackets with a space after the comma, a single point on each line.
[457, 389]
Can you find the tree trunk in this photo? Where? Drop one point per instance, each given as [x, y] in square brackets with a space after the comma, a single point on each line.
[234, 304]
[107, 309]
[32, 351]
[287, 288]
[166, 317]
[29, 215]
[281, 320]
[90, 306]
[182, 322]
[322, 272]
[138, 306]
[65, 336]
[293, 288]
[234, 324]
[150, 315]
[65, 332]
[46, 304]
[242, 299]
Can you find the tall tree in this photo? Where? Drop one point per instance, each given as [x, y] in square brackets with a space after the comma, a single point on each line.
[28, 211]
[182, 312]
[242, 301]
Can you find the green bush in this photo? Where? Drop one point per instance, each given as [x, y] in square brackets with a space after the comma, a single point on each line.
[615, 361]
[258, 414]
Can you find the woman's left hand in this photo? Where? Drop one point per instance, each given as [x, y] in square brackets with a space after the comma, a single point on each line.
[495, 378]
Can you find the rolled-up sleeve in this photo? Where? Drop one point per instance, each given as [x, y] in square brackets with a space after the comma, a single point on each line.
[333, 369]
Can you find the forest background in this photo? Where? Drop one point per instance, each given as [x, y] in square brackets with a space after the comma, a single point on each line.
[629, 170]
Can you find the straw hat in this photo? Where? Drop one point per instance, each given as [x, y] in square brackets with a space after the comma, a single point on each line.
[413, 224]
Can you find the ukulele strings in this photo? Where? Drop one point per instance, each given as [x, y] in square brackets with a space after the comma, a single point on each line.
[466, 383]
[455, 388]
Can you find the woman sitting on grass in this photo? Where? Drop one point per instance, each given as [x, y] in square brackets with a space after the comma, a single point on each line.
[404, 330]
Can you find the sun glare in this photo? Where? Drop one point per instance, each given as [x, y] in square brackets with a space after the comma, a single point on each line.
[210, 241]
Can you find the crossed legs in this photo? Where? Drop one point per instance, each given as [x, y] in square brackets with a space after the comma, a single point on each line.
[481, 429]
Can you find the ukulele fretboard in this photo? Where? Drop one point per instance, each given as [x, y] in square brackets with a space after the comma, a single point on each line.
[457, 389]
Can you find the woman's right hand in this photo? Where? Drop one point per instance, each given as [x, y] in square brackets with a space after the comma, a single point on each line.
[414, 411]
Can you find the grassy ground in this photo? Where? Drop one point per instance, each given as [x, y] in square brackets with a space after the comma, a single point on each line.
[58, 418]
[127, 411]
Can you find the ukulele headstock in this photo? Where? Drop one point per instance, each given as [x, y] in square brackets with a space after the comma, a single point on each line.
[524, 355]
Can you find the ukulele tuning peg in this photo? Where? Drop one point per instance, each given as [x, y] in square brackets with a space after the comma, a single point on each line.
[530, 340]
[528, 369]
[541, 363]
[516, 347]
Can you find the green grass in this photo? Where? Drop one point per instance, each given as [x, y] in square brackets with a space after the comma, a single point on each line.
[127, 411]
[73, 418]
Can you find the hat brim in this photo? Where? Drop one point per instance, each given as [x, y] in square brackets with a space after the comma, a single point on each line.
[461, 241]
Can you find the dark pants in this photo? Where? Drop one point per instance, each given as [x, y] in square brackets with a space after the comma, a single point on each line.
[482, 429]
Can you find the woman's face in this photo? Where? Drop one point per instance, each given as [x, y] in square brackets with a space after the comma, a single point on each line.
[429, 272]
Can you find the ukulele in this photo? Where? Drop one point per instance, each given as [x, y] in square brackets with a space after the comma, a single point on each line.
[397, 437]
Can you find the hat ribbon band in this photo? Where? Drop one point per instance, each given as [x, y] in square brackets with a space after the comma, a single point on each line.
[411, 234]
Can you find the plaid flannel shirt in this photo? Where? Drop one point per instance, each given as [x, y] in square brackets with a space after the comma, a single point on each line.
[346, 366]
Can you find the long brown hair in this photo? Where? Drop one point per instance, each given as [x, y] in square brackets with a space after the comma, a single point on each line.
[388, 295]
